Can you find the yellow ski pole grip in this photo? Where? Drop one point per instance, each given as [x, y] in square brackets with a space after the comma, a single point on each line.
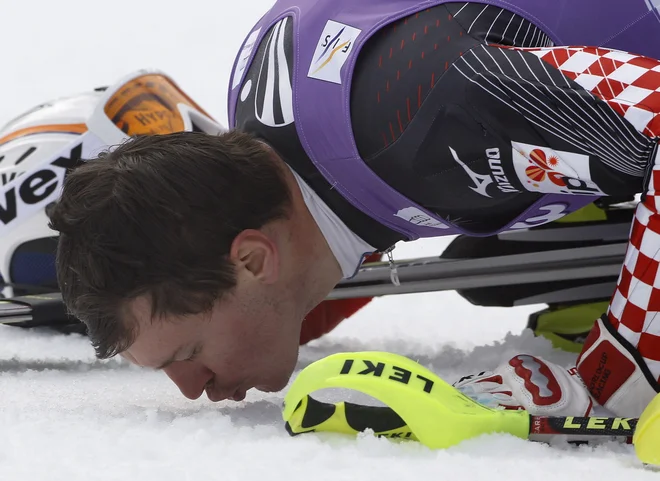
[647, 434]
[343, 417]
[436, 413]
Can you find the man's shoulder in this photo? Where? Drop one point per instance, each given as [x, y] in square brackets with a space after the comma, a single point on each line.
[266, 92]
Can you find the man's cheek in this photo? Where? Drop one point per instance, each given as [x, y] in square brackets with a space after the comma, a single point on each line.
[128, 357]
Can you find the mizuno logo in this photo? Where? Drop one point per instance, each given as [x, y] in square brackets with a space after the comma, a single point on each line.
[481, 182]
[495, 164]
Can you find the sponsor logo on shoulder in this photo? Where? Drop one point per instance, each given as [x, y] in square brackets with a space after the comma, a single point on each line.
[243, 58]
[547, 213]
[332, 50]
[541, 169]
[273, 102]
[418, 217]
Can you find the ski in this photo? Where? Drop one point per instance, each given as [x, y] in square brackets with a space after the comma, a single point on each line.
[38, 310]
[593, 264]
[584, 264]
[605, 227]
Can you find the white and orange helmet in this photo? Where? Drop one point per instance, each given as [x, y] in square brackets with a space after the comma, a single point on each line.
[39, 147]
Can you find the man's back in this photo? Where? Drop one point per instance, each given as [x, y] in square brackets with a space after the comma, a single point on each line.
[447, 164]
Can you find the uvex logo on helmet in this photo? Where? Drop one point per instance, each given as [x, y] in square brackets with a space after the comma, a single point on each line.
[5, 178]
[37, 185]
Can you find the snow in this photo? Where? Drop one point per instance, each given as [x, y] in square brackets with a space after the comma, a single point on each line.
[66, 416]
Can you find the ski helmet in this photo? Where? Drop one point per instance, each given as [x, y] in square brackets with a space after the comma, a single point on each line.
[40, 146]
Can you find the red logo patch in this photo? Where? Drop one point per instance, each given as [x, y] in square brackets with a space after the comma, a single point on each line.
[544, 166]
[604, 370]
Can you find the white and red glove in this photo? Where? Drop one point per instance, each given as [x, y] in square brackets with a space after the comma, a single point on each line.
[614, 372]
[531, 383]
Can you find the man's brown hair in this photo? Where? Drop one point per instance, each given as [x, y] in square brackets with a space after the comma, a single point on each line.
[156, 216]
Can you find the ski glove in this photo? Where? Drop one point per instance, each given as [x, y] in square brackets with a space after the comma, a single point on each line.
[614, 371]
[531, 383]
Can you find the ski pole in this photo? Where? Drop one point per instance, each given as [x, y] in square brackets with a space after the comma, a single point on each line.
[351, 418]
[423, 407]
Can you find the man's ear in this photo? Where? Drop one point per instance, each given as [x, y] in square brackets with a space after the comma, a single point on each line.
[257, 254]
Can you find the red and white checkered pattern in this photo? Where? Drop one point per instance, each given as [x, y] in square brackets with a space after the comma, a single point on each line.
[635, 306]
[629, 83]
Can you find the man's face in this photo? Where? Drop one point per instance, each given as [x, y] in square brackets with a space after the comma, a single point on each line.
[245, 341]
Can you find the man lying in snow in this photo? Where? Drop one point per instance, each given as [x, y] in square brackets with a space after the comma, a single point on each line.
[355, 125]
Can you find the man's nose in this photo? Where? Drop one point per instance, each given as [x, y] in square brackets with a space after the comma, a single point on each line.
[190, 377]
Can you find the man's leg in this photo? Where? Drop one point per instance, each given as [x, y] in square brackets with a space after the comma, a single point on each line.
[620, 362]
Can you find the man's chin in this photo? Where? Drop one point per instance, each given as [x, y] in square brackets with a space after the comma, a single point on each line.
[271, 386]
[275, 384]
[278, 380]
